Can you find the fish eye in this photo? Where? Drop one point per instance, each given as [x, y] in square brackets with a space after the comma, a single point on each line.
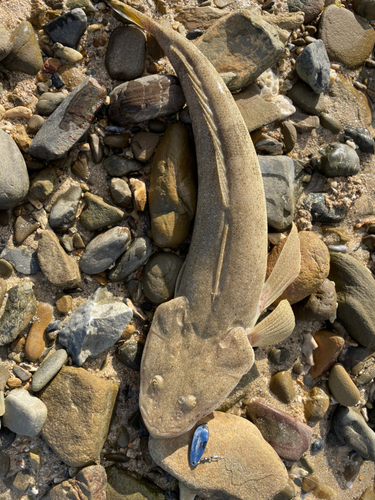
[157, 382]
[188, 403]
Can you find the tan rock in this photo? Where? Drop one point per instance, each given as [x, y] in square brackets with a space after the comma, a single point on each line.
[18, 112]
[89, 484]
[35, 341]
[14, 382]
[327, 352]
[139, 193]
[317, 403]
[80, 407]
[342, 386]
[314, 267]
[143, 145]
[64, 303]
[199, 17]
[237, 474]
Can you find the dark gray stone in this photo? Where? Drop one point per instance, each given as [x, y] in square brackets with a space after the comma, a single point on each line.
[362, 137]
[321, 212]
[130, 353]
[23, 260]
[69, 122]
[95, 326]
[305, 98]
[137, 254]
[25, 55]
[126, 51]
[64, 210]
[330, 123]
[337, 160]
[68, 28]
[313, 66]
[48, 102]
[6, 438]
[117, 165]
[48, 369]
[311, 8]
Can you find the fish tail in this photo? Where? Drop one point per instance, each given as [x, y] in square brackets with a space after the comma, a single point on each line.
[130, 14]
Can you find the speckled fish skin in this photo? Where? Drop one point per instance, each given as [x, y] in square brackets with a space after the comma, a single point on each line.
[197, 349]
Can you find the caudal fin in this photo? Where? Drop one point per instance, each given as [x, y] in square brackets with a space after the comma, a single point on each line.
[130, 14]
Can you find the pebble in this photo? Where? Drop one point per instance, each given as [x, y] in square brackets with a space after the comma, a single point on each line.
[304, 123]
[220, 44]
[6, 42]
[56, 138]
[58, 267]
[313, 66]
[6, 438]
[130, 353]
[17, 112]
[35, 341]
[324, 212]
[143, 145]
[23, 260]
[320, 305]
[19, 309]
[120, 192]
[348, 39]
[79, 404]
[269, 146]
[135, 290]
[160, 276]
[365, 9]
[21, 482]
[43, 184]
[345, 94]
[351, 428]
[325, 355]
[342, 387]
[314, 266]
[122, 484]
[35, 123]
[48, 102]
[330, 123]
[117, 165]
[172, 192]
[68, 28]
[64, 209]
[289, 437]
[362, 138]
[24, 414]
[282, 385]
[48, 369]
[137, 255]
[3, 289]
[80, 167]
[145, 98]
[21, 373]
[64, 303]
[95, 148]
[337, 160]
[199, 17]
[139, 193]
[51, 65]
[310, 9]
[117, 140]
[316, 405]
[23, 228]
[85, 5]
[289, 133]
[25, 55]
[6, 268]
[98, 213]
[95, 326]
[279, 356]
[103, 250]
[364, 371]
[90, 482]
[14, 182]
[306, 99]
[125, 56]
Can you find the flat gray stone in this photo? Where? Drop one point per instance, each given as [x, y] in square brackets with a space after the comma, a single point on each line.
[95, 326]
[137, 254]
[303, 96]
[103, 250]
[24, 414]
[313, 66]
[48, 369]
[64, 210]
[23, 260]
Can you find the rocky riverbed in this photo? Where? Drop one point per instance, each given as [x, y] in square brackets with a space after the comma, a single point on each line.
[97, 202]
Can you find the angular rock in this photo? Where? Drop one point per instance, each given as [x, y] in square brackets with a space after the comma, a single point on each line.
[172, 191]
[19, 309]
[85, 5]
[43, 184]
[238, 441]
[80, 407]
[57, 266]
[21, 482]
[199, 17]
[48, 102]
[348, 38]
[317, 404]
[89, 484]
[95, 326]
[136, 255]
[139, 194]
[325, 355]
[126, 51]
[311, 8]
[117, 165]
[68, 28]
[64, 210]
[6, 42]
[337, 160]
[160, 276]
[130, 353]
[313, 66]
[241, 46]
[123, 485]
[278, 180]
[145, 98]
[120, 192]
[305, 98]
[25, 55]
[289, 437]
[23, 260]
[143, 145]
[6, 268]
[14, 181]
[355, 288]
[48, 369]
[289, 133]
[342, 387]
[6, 438]
[71, 120]
[103, 250]
[98, 213]
[324, 212]
[24, 414]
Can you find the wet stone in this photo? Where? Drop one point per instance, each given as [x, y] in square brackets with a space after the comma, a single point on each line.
[125, 57]
[130, 353]
[23, 260]
[279, 356]
[160, 276]
[342, 387]
[80, 168]
[63, 212]
[313, 66]
[98, 213]
[120, 192]
[122, 485]
[24, 414]
[330, 123]
[48, 369]
[321, 211]
[317, 404]
[137, 255]
[337, 160]
[21, 482]
[25, 55]
[48, 102]
[289, 133]
[282, 385]
[362, 137]
[68, 28]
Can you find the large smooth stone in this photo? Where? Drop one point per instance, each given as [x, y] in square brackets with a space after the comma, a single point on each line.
[126, 50]
[48, 369]
[236, 475]
[364, 8]
[95, 326]
[355, 288]
[80, 408]
[24, 414]
[241, 46]
[14, 179]
[172, 192]
[25, 55]
[342, 386]
[304, 97]
[338, 160]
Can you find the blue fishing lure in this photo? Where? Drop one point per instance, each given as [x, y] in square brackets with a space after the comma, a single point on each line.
[198, 444]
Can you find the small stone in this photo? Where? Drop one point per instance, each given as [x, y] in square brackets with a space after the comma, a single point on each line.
[122, 485]
[95, 148]
[126, 50]
[44, 184]
[282, 385]
[23, 228]
[117, 165]
[117, 140]
[17, 112]
[255, 110]
[21, 138]
[368, 494]
[95, 326]
[324, 212]
[23, 260]
[289, 133]
[103, 250]
[143, 145]
[19, 309]
[139, 193]
[64, 209]
[362, 137]
[137, 254]
[24, 414]
[48, 369]
[305, 98]
[157, 126]
[6, 268]
[330, 123]
[78, 241]
[35, 458]
[279, 356]
[135, 290]
[57, 81]
[289, 437]
[317, 445]
[14, 382]
[120, 192]
[313, 66]
[90, 483]
[6, 438]
[288, 493]
[6, 42]
[85, 5]
[320, 305]
[311, 9]
[145, 98]
[35, 341]
[80, 168]
[64, 303]
[25, 55]
[79, 404]
[48, 102]
[160, 276]
[317, 404]
[56, 265]
[199, 17]
[51, 65]
[68, 28]
[337, 160]
[305, 123]
[342, 387]
[3, 290]
[98, 213]
[21, 482]
[348, 38]
[130, 353]
[124, 438]
[325, 355]
[309, 483]
[21, 373]
[269, 146]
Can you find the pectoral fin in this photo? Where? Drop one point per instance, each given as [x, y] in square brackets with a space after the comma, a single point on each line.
[275, 328]
[285, 271]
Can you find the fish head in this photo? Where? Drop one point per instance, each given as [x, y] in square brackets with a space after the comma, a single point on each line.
[185, 375]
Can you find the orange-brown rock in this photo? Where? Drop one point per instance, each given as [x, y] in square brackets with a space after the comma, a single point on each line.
[314, 266]
[35, 342]
[325, 355]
